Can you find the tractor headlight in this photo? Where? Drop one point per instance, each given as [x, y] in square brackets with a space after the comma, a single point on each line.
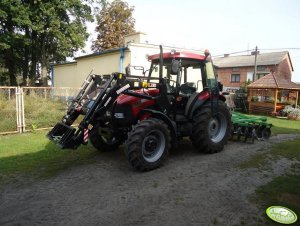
[119, 115]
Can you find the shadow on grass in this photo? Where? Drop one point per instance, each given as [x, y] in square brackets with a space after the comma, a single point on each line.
[43, 159]
[43, 163]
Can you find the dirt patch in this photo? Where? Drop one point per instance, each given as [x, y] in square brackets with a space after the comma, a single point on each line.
[190, 189]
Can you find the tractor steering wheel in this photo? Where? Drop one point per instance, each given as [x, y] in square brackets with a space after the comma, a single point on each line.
[171, 88]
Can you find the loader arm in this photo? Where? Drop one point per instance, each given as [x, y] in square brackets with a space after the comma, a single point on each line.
[66, 136]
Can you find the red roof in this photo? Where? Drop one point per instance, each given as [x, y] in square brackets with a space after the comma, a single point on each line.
[178, 55]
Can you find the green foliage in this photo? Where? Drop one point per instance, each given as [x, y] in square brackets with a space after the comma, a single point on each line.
[34, 33]
[39, 112]
[114, 22]
[244, 86]
[7, 112]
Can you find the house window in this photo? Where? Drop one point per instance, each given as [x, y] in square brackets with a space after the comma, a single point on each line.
[235, 78]
[261, 68]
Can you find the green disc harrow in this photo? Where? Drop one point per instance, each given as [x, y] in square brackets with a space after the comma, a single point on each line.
[250, 127]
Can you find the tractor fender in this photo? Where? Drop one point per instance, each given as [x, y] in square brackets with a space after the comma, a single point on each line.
[201, 100]
[164, 118]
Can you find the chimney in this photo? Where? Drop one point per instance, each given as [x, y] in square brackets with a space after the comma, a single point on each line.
[137, 37]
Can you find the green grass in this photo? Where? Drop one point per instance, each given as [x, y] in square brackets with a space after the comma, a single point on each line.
[33, 155]
[283, 190]
[288, 149]
[284, 126]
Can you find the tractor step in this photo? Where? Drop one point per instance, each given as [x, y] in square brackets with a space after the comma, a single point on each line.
[63, 135]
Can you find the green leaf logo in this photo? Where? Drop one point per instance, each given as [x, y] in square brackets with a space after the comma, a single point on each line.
[281, 214]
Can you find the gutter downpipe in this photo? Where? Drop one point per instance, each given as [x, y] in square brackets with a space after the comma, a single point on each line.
[122, 53]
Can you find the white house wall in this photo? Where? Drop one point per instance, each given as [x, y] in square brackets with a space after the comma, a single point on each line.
[65, 75]
[100, 64]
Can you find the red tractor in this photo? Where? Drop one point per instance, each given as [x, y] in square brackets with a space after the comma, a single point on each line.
[177, 97]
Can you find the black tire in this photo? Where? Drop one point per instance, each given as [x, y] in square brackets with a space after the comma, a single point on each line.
[266, 133]
[102, 143]
[210, 133]
[148, 144]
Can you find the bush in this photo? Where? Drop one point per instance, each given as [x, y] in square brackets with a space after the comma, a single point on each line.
[292, 113]
[41, 112]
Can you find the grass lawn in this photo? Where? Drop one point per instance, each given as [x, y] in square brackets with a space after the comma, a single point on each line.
[32, 154]
[283, 126]
[283, 190]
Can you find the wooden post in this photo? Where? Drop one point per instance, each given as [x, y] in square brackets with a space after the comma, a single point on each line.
[297, 96]
[275, 99]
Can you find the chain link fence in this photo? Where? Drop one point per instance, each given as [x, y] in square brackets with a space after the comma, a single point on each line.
[32, 108]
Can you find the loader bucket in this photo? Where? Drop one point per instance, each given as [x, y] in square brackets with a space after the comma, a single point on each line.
[63, 136]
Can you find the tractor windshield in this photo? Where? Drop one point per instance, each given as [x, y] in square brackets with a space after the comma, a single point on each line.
[191, 73]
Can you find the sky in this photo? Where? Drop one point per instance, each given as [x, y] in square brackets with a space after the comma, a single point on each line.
[222, 26]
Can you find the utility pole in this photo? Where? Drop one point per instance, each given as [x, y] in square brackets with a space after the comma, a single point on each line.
[255, 64]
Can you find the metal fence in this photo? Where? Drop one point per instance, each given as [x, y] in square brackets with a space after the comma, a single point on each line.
[32, 108]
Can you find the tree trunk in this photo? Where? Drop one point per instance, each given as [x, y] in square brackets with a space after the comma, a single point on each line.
[33, 55]
[26, 59]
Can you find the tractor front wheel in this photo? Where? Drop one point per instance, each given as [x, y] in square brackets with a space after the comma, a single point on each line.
[148, 144]
[211, 128]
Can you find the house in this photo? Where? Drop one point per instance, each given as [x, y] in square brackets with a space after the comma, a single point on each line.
[135, 52]
[233, 71]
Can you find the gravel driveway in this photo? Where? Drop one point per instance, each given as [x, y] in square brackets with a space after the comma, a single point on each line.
[189, 189]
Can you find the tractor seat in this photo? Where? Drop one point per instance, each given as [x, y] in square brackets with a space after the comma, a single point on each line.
[190, 103]
[188, 88]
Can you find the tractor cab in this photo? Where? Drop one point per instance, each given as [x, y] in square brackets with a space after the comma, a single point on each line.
[183, 77]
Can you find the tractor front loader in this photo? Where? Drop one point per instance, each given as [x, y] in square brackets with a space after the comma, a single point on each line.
[177, 97]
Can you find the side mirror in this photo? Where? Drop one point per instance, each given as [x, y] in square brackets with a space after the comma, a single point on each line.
[175, 67]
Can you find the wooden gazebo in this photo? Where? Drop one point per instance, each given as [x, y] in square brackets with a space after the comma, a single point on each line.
[271, 93]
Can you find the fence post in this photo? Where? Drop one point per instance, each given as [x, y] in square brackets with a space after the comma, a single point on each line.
[18, 110]
[22, 110]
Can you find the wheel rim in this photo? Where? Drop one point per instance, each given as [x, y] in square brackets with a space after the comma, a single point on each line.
[153, 146]
[217, 127]
[107, 136]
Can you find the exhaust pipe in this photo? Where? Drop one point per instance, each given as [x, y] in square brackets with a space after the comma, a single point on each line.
[161, 63]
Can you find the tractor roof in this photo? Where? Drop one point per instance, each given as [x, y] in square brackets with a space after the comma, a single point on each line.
[178, 55]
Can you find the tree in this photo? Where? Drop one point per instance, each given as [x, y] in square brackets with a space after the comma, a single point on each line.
[114, 22]
[36, 32]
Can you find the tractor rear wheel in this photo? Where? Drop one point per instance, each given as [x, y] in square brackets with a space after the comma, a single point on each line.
[103, 141]
[148, 144]
[211, 130]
